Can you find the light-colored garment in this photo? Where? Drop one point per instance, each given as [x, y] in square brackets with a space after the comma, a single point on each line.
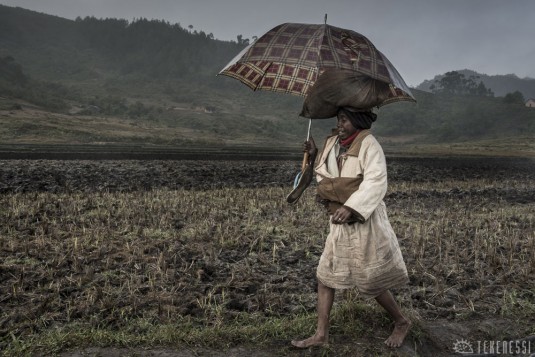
[363, 255]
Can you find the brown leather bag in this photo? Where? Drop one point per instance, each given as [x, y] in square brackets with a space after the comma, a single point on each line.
[333, 192]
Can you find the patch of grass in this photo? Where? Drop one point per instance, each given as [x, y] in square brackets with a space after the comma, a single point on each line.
[350, 321]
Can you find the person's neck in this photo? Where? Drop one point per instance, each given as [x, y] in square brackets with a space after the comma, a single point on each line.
[349, 140]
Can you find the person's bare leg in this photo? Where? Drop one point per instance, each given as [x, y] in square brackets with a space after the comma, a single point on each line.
[324, 305]
[401, 323]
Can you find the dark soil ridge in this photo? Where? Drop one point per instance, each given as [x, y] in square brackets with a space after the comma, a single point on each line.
[144, 152]
[68, 176]
[194, 151]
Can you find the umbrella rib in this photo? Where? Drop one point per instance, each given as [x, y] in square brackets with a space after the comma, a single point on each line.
[324, 27]
[264, 76]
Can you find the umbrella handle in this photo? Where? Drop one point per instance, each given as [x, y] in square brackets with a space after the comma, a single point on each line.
[305, 161]
[307, 155]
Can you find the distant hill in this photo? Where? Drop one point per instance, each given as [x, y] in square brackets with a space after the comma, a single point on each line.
[499, 84]
[88, 48]
[163, 77]
[147, 70]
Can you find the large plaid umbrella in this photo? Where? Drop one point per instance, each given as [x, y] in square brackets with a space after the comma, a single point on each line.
[293, 58]
[330, 66]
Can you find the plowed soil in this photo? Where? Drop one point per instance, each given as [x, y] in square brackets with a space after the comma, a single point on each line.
[436, 307]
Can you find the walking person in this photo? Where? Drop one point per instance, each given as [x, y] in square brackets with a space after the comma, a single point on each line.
[361, 249]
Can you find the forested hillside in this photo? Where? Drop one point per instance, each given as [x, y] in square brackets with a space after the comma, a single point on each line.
[81, 49]
[163, 74]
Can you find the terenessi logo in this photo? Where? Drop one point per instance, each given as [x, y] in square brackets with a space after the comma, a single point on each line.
[494, 348]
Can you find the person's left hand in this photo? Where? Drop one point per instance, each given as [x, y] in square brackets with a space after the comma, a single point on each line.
[310, 147]
[341, 215]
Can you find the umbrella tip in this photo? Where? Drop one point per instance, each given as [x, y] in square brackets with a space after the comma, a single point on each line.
[325, 19]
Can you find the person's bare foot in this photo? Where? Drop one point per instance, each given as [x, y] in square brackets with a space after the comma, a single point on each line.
[398, 335]
[311, 341]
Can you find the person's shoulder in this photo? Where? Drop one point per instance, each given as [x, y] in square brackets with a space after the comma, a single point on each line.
[370, 140]
[370, 143]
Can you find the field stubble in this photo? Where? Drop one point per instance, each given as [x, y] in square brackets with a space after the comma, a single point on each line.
[209, 253]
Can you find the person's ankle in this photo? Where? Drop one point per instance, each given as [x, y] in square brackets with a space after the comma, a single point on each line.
[402, 322]
[321, 335]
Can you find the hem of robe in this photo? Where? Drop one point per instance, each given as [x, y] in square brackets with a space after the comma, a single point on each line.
[398, 282]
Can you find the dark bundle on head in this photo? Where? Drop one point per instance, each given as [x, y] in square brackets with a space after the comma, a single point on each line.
[359, 119]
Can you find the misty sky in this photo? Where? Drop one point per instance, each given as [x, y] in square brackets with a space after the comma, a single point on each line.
[421, 38]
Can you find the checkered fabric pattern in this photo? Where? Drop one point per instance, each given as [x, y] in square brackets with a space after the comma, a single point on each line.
[262, 75]
[290, 57]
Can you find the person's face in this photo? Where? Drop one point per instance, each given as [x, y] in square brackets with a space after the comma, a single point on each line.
[344, 126]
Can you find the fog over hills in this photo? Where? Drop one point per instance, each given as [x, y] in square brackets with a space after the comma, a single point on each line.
[164, 75]
[500, 84]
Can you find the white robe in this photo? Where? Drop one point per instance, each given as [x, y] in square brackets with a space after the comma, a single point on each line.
[363, 255]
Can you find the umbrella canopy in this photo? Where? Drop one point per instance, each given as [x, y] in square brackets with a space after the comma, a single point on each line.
[292, 58]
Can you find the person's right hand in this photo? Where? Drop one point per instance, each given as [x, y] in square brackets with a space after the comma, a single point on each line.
[310, 147]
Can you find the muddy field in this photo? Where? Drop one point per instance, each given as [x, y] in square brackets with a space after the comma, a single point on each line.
[66, 176]
[107, 244]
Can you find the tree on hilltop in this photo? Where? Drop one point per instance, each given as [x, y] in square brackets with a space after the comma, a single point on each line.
[514, 98]
[455, 83]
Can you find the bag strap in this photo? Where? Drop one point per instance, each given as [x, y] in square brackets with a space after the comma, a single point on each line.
[322, 152]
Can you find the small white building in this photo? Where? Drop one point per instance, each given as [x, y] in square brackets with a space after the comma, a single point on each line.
[530, 103]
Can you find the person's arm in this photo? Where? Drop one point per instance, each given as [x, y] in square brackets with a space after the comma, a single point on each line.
[310, 148]
[374, 185]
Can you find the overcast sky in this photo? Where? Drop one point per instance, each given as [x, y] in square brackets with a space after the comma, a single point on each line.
[421, 38]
